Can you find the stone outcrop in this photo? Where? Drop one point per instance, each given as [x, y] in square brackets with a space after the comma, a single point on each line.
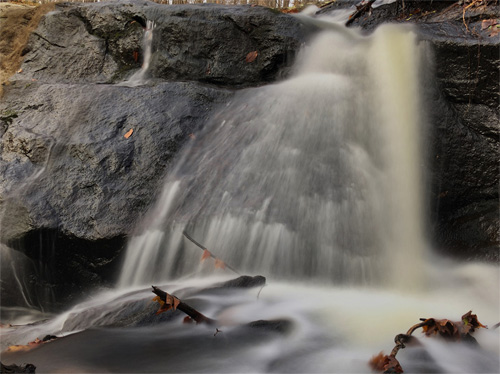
[208, 43]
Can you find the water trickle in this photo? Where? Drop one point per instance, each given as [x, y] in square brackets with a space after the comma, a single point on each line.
[316, 177]
[140, 76]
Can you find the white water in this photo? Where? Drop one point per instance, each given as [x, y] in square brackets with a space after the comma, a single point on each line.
[314, 178]
[140, 76]
[335, 329]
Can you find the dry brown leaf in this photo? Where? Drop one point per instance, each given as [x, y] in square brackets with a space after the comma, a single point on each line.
[452, 330]
[495, 30]
[158, 300]
[251, 56]
[27, 347]
[135, 55]
[470, 323]
[18, 348]
[206, 254]
[219, 264]
[385, 363]
[163, 308]
[128, 134]
[488, 22]
[171, 303]
[377, 362]
[444, 327]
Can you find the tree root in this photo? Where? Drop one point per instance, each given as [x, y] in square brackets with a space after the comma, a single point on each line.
[452, 331]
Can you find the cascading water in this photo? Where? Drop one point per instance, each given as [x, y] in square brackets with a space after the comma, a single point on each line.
[317, 177]
[139, 77]
[314, 178]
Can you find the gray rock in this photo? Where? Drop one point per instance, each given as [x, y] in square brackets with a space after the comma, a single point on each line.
[74, 185]
[82, 176]
[95, 42]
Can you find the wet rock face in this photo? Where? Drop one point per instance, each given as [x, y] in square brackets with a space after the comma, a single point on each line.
[464, 116]
[465, 172]
[72, 168]
[101, 42]
[74, 186]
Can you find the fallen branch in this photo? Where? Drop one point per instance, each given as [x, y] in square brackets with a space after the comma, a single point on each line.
[327, 4]
[168, 302]
[360, 10]
[207, 253]
[453, 331]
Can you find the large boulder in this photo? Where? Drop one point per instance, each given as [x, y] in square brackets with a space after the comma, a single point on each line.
[73, 185]
[464, 116]
[97, 42]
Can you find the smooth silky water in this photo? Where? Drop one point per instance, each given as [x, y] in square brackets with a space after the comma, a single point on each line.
[317, 183]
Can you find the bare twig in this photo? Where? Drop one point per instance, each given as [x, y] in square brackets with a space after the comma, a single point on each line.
[205, 249]
[361, 9]
[258, 294]
[183, 307]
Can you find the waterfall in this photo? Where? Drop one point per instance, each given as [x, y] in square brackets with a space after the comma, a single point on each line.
[139, 77]
[317, 177]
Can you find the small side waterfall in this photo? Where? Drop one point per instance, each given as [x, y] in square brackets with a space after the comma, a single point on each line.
[317, 177]
[139, 77]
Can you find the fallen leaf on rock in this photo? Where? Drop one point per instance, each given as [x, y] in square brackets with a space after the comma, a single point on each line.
[20, 71]
[128, 134]
[18, 348]
[27, 347]
[488, 22]
[495, 30]
[251, 56]
[135, 55]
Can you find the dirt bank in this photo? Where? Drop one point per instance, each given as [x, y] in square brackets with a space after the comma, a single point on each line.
[17, 21]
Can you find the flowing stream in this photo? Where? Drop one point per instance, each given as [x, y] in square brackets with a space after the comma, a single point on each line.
[317, 183]
[140, 76]
[317, 177]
